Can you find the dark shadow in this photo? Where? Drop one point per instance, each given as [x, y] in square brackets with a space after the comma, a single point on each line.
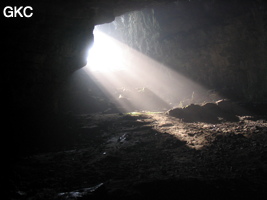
[194, 189]
[131, 160]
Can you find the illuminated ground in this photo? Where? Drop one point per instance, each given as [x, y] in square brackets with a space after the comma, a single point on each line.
[147, 156]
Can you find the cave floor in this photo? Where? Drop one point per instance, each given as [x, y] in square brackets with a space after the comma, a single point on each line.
[148, 156]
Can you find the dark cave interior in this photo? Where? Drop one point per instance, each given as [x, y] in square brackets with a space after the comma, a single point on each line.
[137, 99]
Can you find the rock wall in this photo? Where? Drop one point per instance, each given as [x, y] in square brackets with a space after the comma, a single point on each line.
[42, 50]
[221, 45]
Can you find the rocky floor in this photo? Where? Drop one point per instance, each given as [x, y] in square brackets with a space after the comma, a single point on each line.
[147, 156]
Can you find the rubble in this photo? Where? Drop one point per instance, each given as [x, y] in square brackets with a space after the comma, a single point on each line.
[135, 154]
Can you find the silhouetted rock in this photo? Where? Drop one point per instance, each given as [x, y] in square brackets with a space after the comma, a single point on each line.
[225, 105]
[209, 112]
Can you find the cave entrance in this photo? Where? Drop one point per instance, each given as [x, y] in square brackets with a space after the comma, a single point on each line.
[120, 63]
[106, 54]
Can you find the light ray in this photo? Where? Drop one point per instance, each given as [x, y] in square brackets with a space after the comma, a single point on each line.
[106, 55]
[133, 80]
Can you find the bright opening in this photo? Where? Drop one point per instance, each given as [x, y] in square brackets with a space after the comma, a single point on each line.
[134, 82]
[105, 55]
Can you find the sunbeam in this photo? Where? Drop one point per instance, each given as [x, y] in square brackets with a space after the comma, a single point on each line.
[134, 81]
[106, 55]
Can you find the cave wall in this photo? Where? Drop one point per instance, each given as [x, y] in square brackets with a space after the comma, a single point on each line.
[221, 45]
[42, 50]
